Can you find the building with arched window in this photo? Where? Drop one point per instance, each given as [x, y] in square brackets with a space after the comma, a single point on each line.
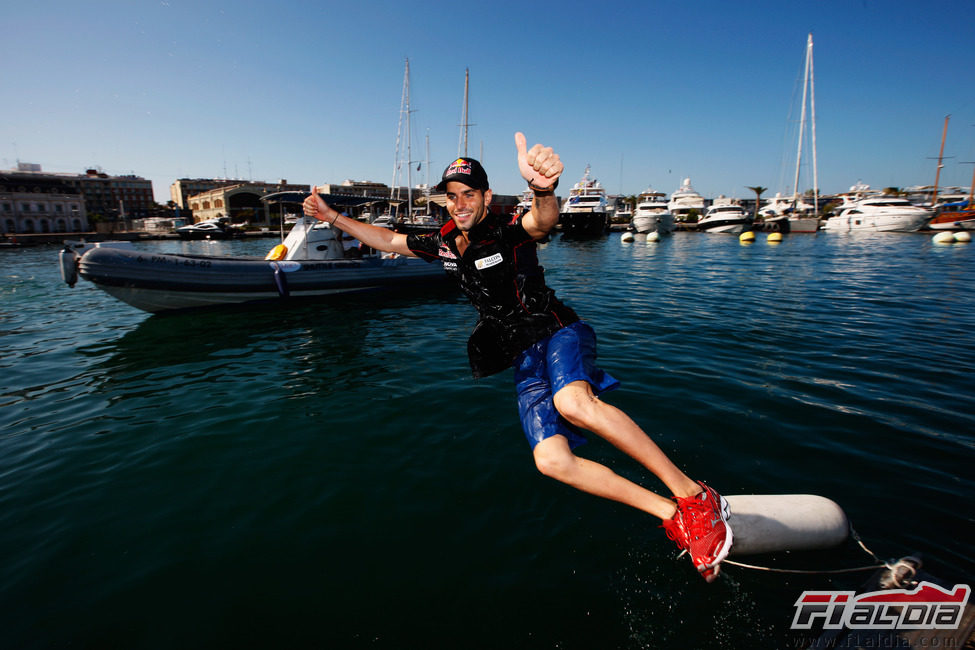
[32, 202]
[241, 202]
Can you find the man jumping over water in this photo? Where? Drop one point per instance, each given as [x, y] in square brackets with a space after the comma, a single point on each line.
[523, 325]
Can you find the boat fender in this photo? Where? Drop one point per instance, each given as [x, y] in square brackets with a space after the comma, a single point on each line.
[652, 237]
[769, 523]
[963, 237]
[68, 261]
[746, 237]
[774, 238]
[627, 237]
[944, 238]
[277, 253]
[280, 281]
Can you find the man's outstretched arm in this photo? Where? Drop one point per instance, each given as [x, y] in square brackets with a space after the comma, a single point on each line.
[382, 239]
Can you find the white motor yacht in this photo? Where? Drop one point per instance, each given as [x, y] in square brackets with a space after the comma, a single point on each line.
[725, 215]
[585, 213]
[685, 200]
[878, 213]
[652, 214]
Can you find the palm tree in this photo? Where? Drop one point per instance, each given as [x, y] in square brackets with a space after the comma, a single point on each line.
[758, 189]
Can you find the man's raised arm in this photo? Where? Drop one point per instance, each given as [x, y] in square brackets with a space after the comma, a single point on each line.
[541, 167]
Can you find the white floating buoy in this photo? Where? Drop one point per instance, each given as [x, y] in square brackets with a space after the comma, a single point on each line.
[944, 238]
[774, 238]
[767, 523]
[963, 237]
[628, 236]
[653, 236]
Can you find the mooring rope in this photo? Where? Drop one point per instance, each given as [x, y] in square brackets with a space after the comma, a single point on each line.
[853, 534]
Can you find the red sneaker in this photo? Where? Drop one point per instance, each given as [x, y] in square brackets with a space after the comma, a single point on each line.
[701, 527]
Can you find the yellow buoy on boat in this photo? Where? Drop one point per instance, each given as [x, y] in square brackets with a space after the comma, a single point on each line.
[944, 238]
[774, 237]
[963, 237]
[746, 237]
[277, 253]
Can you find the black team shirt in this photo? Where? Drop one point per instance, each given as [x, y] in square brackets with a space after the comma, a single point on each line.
[501, 276]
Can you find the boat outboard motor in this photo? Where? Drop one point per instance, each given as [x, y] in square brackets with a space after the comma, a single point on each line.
[68, 261]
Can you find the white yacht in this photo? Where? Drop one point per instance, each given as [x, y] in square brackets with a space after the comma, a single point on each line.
[623, 213]
[725, 215]
[865, 209]
[652, 214]
[684, 200]
[524, 203]
[585, 213]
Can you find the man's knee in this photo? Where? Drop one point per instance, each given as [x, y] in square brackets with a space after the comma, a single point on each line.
[553, 458]
[576, 404]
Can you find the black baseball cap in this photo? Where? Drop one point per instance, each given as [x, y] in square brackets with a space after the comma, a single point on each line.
[467, 171]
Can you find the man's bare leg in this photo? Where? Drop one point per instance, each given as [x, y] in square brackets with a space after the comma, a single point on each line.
[577, 404]
[555, 459]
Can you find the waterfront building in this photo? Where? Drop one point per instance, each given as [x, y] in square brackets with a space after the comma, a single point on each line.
[33, 202]
[104, 197]
[181, 190]
[115, 197]
[240, 201]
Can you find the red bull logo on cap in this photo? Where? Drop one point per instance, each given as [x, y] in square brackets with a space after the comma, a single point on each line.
[459, 166]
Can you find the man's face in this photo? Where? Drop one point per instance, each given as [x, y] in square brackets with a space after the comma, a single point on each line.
[465, 205]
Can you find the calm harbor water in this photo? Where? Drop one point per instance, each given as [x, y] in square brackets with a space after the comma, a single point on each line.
[329, 475]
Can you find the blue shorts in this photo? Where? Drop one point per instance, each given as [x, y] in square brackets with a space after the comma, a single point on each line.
[548, 366]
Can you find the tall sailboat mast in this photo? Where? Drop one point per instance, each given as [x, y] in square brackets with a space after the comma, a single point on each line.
[808, 96]
[812, 109]
[404, 111]
[462, 145]
[941, 155]
[409, 149]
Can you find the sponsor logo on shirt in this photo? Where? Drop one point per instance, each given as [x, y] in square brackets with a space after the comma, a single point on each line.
[446, 253]
[449, 266]
[488, 262]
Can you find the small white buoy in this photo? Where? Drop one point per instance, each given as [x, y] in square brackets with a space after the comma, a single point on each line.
[746, 237]
[767, 523]
[963, 237]
[944, 238]
[653, 236]
[628, 237]
[774, 238]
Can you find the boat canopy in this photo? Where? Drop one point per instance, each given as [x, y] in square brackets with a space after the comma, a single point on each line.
[957, 204]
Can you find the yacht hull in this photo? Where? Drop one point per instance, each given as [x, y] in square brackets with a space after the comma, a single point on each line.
[895, 221]
[583, 224]
[959, 220]
[731, 226]
[659, 223]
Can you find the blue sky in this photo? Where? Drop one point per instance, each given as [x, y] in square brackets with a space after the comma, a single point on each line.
[644, 92]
